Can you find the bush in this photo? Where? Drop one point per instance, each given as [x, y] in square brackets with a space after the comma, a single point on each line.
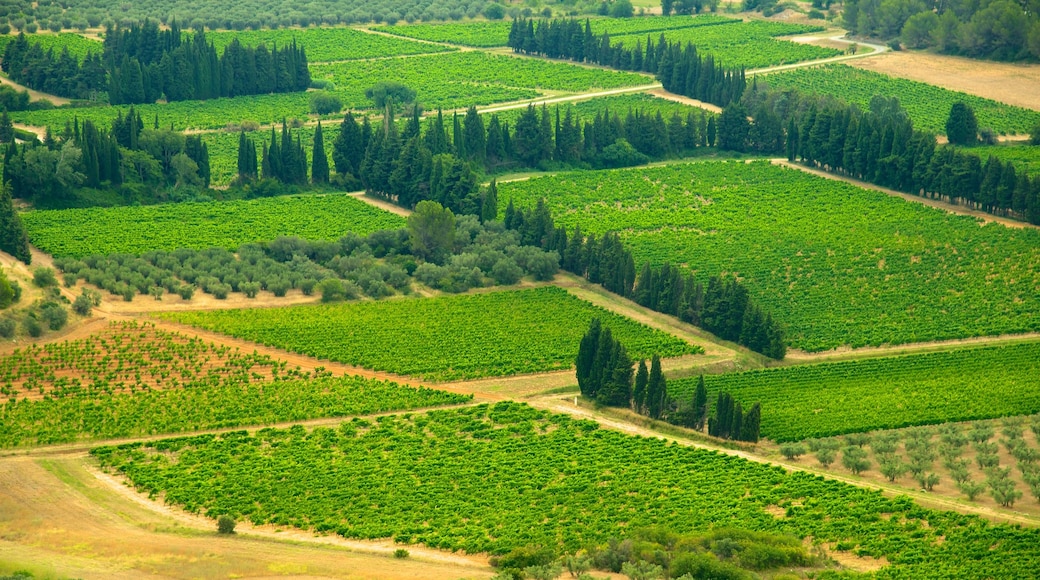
[44, 277]
[332, 290]
[55, 316]
[250, 289]
[82, 305]
[7, 327]
[32, 327]
[323, 103]
[792, 451]
[494, 11]
[279, 287]
[400, 553]
[186, 292]
[506, 272]
[225, 524]
[1034, 135]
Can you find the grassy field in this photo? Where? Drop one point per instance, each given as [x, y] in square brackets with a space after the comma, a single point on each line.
[82, 232]
[825, 399]
[928, 105]
[836, 264]
[328, 44]
[490, 479]
[447, 338]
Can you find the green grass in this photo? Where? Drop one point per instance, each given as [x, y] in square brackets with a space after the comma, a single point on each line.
[835, 264]
[928, 105]
[825, 399]
[134, 230]
[329, 44]
[447, 338]
[491, 479]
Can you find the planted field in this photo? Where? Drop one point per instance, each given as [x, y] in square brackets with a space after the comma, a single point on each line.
[493, 34]
[928, 105]
[835, 264]
[135, 380]
[78, 46]
[82, 232]
[223, 147]
[747, 44]
[329, 44]
[455, 337]
[490, 479]
[1025, 157]
[819, 400]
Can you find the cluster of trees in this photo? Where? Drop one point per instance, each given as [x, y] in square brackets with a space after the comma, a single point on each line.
[996, 29]
[881, 145]
[604, 369]
[686, 7]
[10, 291]
[723, 307]
[679, 68]
[142, 64]
[13, 238]
[731, 422]
[47, 313]
[128, 158]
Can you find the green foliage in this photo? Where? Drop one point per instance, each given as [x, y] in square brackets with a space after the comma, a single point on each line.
[323, 103]
[452, 337]
[82, 232]
[927, 105]
[78, 45]
[44, 277]
[876, 271]
[961, 126]
[135, 381]
[328, 44]
[825, 399]
[573, 486]
[225, 525]
[431, 229]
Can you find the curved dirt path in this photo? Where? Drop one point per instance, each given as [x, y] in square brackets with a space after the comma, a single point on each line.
[33, 94]
[876, 49]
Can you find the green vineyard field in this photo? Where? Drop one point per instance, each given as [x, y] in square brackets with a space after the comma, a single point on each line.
[825, 399]
[836, 264]
[928, 105]
[329, 44]
[1025, 157]
[82, 232]
[491, 479]
[77, 45]
[135, 380]
[446, 338]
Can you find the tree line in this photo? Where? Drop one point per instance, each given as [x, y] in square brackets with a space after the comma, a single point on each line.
[142, 64]
[680, 69]
[722, 307]
[128, 159]
[607, 375]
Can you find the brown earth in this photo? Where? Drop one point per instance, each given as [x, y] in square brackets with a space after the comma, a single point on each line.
[1014, 84]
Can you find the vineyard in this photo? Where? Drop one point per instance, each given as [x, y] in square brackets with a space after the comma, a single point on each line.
[440, 339]
[491, 479]
[818, 400]
[329, 44]
[77, 45]
[135, 380]
[82, 232]
[494, 34]
[744, 44]
[1025, 157]
[878, 270]
[928, 105]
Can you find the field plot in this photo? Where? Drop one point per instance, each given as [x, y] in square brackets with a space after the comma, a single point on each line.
[928, 105]
[223, 147]
[827, 399]
[329, 44]
[494, 34]
[77, 233]
[454, 337]
[1025, 157]
[836, 264]
[747, 44]
[619, 105]
[136, 380]
[497, 478]
[77, 45]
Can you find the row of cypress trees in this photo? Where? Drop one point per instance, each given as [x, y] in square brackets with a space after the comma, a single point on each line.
[680, 69]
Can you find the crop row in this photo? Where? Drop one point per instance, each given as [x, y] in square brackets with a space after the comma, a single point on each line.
[329, 44]
[1024, 157]
[77, 45]
[491, 34]
[819, 400]
[928, 105]
[82, 232]
[492, 479]
[134, 380]
[446, 338]
[835, 264]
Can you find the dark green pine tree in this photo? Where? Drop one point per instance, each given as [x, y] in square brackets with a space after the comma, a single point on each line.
[961, 126]
[458, 137]
[6, 128]
[436, 138]
[616, 390]
[710, 132]
[246, 158]
[475, 140]
[736, 426]
[495, 148]
[587, 350]
[639, 391]
[489, 203]
[13, 238]
[349, 147]
[656, 390]
[319, 162]
[752, 423]
[700, 404]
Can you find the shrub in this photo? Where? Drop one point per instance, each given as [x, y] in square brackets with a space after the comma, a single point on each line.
[792, 451]
[250, 289]
[55, 316]
[44, 277]
[323, 103]
[186, 292]
[82, 305]
[400, 553]
[225, 524]
[32, 327]
[7, 327]
[506, 272]
[332, 290]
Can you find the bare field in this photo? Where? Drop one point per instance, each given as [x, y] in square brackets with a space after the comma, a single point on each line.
[57, 517]
[1014, 84]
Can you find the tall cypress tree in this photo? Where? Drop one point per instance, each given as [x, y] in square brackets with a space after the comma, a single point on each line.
[489, 203]
[586, 352]
[349, 147]
[319, 162]
[13, 238]
[656, 390]
[639, 391]
[700, 404]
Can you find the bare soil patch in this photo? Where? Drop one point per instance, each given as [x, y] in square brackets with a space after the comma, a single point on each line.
[1014, 84]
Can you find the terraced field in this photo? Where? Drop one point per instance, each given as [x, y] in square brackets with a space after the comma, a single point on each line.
[837, 265]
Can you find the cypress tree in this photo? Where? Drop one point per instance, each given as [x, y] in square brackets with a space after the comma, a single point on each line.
[752, 422]
[700, 404]
[587, 350]
[475, 137]
[319, 162]
[602, 364]
[489, 204]
[736, 425]
[961, 126]
[349, 148]
[656, 390]
[13, 238]
[639, 392]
